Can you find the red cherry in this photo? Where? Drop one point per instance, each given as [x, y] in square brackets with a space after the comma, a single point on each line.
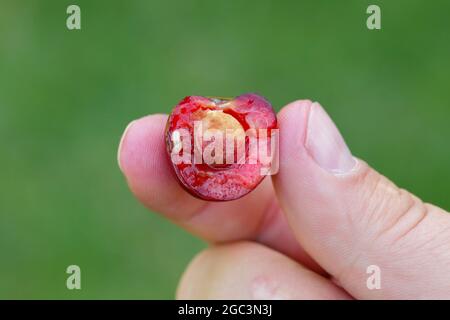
[214, 144]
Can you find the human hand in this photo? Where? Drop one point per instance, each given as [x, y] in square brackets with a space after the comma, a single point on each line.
[311, 234]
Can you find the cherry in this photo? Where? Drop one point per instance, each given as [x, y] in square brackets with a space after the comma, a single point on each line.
[222, 148]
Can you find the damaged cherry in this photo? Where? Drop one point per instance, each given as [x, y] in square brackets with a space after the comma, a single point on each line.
[222, 148]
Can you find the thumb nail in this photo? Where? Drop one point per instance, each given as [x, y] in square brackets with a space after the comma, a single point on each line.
[325, 144]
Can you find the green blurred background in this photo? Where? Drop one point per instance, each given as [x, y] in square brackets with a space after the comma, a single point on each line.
[66, 96]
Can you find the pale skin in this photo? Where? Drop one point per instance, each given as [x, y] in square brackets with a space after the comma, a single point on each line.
[309, 232]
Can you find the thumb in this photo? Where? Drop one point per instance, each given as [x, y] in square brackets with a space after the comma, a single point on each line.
[350, 218]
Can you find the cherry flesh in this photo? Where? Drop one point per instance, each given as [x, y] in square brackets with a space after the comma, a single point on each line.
[210, 142]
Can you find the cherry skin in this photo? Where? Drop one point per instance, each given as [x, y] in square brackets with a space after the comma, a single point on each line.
[214, 144]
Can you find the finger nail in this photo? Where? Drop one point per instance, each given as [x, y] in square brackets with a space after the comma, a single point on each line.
[121, 143]
[325, 144]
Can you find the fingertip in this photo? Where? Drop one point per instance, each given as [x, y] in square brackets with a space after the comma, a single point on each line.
[144, 162]
[122, 139]
[140, 138]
